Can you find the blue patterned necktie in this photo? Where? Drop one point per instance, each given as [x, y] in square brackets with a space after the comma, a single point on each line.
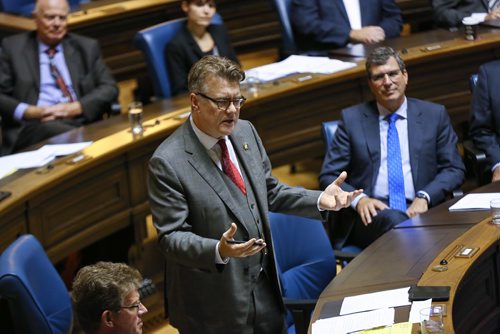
[395, 177]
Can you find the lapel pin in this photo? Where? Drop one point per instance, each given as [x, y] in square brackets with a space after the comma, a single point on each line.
[245, 147]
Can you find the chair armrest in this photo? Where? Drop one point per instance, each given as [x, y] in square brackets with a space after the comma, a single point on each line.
[301, 310]
[471, 152]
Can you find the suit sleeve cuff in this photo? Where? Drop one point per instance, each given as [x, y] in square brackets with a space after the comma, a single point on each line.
[19, 111]
[495, 166]
[218, 258]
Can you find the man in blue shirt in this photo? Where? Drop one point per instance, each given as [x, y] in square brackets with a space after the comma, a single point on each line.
[51, 81]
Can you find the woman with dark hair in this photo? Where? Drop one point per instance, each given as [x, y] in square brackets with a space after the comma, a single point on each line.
[198, 38]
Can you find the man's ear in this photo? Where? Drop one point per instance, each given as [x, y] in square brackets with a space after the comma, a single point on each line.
[194, 102]
[107, 318]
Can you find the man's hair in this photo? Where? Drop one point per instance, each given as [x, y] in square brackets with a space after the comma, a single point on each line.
[100, 287]
[380, 56]
[209, 66]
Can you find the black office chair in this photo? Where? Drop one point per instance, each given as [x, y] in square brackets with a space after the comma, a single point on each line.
[305, 262]
[347, 252]
[474, 159]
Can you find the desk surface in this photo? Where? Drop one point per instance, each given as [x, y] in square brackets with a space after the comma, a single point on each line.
[405, 256]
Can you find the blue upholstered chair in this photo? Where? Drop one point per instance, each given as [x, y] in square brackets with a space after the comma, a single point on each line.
[348, 252]
[152, 41]
[288, 46]
[18, 7]
[305, 262]
[36, 296]
[25, 7]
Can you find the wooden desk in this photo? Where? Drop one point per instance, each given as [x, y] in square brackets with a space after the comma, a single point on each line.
[405, 256]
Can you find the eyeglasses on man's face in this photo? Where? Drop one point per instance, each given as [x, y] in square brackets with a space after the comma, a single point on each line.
[379, 78]
[223, 104]
[137, 306]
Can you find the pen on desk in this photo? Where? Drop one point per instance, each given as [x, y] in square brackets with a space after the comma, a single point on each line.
[304, 78]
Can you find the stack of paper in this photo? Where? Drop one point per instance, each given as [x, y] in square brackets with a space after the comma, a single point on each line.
[364, 312]
[472, 202]
[298, 64]
[37, 158]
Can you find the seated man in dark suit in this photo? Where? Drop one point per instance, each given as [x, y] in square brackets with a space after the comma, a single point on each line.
[327, 24]
[450, 13]
[401, 151]
[485, 118]
[51, 81]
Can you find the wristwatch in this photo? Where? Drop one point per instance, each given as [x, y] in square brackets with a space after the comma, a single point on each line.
[422, 195]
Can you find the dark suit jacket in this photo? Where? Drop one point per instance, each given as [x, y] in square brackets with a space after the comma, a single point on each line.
[436, 165]
[449, 13]
[192, 207]
[20, 78]
[183, 51]
[485, 118]
[324, 24]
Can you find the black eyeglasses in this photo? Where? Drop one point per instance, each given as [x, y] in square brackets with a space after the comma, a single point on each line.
[381, 77]
[223, 104]
[137, 306]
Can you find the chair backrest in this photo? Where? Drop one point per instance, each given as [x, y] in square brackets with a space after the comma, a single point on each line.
[18, 7]
[288, 47]
[34, 291]
[305, 259]
[25, 7]
[152, 41]
[328, 132]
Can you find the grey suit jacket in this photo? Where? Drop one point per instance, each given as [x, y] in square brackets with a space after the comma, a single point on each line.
[436, 165]
[20, 77]
[192, 208]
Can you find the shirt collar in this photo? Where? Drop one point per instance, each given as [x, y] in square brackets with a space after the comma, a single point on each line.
[42, 47]
[207, 141]
[402, 111]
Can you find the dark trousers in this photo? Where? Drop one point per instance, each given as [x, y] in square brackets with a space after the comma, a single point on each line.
[35, 132]
[362, 236]
[265, 315]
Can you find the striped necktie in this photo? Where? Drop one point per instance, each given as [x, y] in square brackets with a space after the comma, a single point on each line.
[58, 76]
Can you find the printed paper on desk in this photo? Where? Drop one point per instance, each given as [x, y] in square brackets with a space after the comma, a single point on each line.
[474, 202]
[375, 300]
[298, 64]
[354, 322]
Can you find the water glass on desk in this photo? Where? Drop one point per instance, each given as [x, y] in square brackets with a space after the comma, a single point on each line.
[495, 211]
[431, 320]
[135, 117]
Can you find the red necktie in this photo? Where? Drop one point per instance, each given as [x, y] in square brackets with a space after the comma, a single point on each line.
[229, 168]
[57, 75]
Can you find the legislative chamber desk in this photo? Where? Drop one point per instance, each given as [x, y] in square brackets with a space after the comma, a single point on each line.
[405, 256]
[70, 206]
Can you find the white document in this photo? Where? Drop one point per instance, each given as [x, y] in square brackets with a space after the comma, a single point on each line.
[416, 306]
[472, 202]
[354, 322]
[298, 64]
[375, 300]
[40, 157]
[6, 170]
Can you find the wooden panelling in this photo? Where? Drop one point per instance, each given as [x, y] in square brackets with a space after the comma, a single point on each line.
[13, 224]
[81, 209]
